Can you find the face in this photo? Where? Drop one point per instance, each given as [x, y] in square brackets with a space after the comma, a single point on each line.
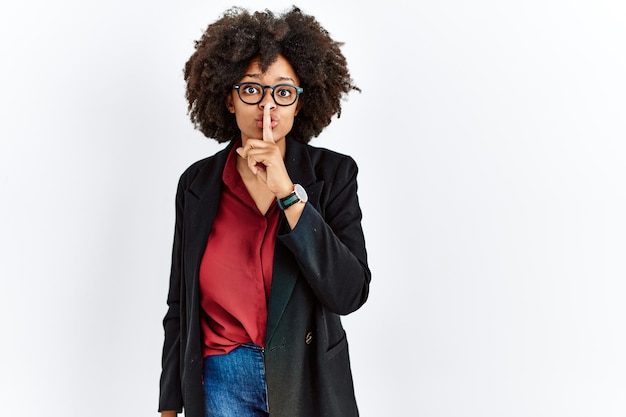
[250, 116]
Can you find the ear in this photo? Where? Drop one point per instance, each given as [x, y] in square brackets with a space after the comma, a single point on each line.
[229, 104]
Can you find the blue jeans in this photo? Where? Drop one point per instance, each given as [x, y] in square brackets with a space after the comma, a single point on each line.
[234, 383]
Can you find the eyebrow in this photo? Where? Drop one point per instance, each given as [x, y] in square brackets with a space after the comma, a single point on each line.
[257, 76]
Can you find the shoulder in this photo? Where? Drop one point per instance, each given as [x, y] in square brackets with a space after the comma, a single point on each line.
[206, 167]
[326, 161]
[319, 154]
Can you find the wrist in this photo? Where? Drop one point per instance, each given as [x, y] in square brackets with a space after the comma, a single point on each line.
[297, 195]
[286, 191]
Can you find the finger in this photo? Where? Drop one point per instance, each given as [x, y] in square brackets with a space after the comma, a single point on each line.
[268, 135]
[244, 151]
[252, 164]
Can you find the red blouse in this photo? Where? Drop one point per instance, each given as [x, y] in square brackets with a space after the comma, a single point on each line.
[236, 269]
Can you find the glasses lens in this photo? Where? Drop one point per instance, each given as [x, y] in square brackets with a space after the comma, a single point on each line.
[285, 95]
[250, 93]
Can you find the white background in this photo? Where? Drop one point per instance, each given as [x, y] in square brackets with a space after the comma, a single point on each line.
[490, 139]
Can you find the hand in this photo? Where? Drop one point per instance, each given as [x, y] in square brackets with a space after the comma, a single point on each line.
[168, 414]
[264, 158]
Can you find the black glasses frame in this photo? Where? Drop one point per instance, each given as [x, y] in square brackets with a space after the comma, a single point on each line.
[299, 90]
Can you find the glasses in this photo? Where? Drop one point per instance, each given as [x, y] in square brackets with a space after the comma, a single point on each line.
[283, 94]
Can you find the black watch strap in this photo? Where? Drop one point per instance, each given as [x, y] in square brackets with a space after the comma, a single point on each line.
[296, 196]
[288, 201]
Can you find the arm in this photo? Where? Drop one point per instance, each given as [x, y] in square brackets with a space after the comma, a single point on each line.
[170, 386]
[330, 248]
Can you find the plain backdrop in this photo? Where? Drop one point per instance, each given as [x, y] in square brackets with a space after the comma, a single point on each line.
[490, 140]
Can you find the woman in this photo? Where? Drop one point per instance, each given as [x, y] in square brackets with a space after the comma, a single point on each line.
[268, 245]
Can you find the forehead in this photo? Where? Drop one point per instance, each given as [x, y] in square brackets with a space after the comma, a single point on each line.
[279, 70]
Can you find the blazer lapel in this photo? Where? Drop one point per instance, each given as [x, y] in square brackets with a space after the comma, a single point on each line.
[201, 203]
[285, 268]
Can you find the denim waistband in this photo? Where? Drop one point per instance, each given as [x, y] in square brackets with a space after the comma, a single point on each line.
[234, 383]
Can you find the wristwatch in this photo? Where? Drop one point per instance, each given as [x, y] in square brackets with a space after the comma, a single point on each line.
[298, 195]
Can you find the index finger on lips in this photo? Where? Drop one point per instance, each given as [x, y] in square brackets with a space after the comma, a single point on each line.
[268, 135]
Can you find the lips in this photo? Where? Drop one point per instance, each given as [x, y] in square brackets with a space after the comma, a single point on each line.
[259, 122]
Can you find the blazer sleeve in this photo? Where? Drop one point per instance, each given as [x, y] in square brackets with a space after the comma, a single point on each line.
[170, 397]
[330, 247]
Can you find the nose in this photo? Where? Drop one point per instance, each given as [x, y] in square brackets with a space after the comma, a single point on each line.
[268, 98]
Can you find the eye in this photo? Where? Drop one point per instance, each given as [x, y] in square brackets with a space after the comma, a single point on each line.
[250, 89]
[285, 92]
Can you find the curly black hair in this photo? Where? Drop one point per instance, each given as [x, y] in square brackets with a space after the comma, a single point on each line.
[226, 48]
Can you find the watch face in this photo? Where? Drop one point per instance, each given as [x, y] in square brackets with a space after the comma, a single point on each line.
[301, 193]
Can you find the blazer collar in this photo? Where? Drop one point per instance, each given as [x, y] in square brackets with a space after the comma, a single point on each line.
[210, 174]
[298, 163]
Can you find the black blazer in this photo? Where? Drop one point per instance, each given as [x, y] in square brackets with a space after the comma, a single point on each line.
[320, 272]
